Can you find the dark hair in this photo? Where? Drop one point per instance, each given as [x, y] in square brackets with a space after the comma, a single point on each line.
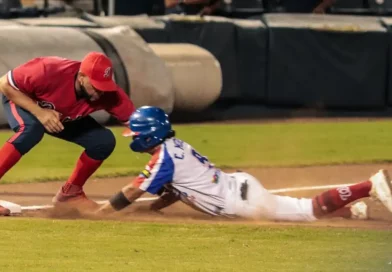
[170, 134]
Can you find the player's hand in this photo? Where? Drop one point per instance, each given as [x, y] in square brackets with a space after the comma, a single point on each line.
[104, 209]
[206, 11]
[127, 132]
[319, 10]
[50, 119]
[171, 3]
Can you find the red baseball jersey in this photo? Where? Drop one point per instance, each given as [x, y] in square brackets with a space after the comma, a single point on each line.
[51, 82]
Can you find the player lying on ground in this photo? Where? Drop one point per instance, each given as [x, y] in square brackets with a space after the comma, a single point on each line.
[55, 95]
[177, 171]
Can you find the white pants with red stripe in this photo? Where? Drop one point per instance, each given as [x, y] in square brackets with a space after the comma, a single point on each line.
[257, 203]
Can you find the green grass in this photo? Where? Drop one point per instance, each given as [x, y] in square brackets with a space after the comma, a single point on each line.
[234, 146]
[51, 245]
[28, 244]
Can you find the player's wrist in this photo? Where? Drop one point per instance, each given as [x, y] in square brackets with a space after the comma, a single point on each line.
[36, 110]
[119, 201]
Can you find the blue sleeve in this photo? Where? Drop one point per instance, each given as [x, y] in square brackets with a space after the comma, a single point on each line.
[160, 173]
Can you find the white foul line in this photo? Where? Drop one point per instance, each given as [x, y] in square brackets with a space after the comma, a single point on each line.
[307, 188]
[145, 199]
[44, 207]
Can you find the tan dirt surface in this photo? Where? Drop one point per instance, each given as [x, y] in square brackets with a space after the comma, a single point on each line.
[271, 178]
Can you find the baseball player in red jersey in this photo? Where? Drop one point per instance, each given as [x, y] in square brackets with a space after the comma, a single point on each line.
[55, 95]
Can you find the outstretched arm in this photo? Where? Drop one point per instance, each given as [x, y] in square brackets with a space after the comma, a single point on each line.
[166, 199]
[152, 179]
[119, 105]
[122, 199]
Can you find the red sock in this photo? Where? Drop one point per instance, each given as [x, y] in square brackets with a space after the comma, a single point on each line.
[335, 199]
[9, 156]
[85, 167]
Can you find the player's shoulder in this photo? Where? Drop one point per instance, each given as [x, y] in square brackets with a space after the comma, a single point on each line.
[175, 142]
[49, 60]
[56, 59]
[177, 148]
[33, 64]
[53, 63]
[49, 65]
[169, 148]
[159, 157]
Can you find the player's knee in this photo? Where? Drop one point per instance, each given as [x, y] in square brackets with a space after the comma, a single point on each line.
[103, 145]
[30, 135]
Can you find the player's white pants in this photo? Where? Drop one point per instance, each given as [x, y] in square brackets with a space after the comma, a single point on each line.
[259, 203]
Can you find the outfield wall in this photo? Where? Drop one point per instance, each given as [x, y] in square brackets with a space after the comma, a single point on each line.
[279, 64]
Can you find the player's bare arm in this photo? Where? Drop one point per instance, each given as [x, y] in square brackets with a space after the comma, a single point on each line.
[122, 199]
[166, 199]
[50, 119]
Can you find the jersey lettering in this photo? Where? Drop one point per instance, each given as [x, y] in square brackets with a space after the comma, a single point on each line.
[202, 159]
[178, 166]
[178, 144]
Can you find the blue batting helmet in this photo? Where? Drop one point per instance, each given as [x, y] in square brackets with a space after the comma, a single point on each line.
[150, 126]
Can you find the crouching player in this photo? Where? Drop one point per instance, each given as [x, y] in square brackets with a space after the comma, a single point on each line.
[177, 171]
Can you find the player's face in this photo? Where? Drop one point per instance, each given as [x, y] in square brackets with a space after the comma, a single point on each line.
[150, 151]
[90, 92]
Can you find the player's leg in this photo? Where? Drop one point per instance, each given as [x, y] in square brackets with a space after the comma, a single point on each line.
[98, 142]
[257, 202]
[334, 201]
[28, 132]
[287, 208]
[252, 200]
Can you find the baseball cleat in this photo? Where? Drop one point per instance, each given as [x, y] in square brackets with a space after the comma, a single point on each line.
[4, 211]
[359, 211]
[74, 197]
[382, 188]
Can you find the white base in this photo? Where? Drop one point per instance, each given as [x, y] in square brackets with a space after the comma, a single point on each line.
[13, 207]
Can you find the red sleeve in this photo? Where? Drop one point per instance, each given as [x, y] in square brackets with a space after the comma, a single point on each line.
[119, 105]
[28, 77]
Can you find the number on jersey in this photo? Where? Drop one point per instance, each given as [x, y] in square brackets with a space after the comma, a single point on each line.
[201, 159]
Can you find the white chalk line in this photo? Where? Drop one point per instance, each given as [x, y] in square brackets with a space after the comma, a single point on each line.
[146, 199]
[308, 188]
[44, 207]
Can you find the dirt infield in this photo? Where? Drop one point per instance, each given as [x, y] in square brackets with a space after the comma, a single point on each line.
[271, 178]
